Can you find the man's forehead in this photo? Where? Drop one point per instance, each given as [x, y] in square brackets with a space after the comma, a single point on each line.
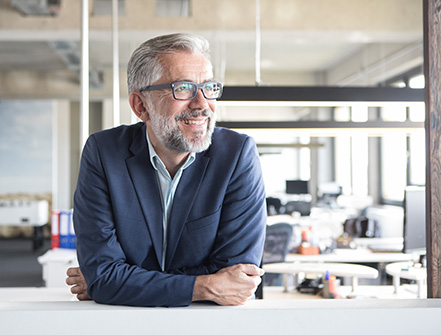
[180, 65]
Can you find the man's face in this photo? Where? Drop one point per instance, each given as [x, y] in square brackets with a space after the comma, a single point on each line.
[182, 126]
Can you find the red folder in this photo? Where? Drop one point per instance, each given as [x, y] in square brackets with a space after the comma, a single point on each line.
[55, 229]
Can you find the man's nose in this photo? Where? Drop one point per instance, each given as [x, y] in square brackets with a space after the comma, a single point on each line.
[199, 102]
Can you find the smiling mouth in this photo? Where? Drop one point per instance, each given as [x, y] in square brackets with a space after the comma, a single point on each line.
[194, 122]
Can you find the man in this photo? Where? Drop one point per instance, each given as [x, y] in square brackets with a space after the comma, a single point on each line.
[170, 210]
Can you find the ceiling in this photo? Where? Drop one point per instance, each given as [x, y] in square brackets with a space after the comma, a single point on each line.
[315, 42]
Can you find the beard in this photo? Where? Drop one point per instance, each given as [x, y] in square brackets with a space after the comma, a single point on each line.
[172, 137]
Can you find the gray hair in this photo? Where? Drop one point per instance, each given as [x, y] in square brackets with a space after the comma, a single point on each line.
[144, 66]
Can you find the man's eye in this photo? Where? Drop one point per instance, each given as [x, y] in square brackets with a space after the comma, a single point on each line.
[183, 88]
[212, 87]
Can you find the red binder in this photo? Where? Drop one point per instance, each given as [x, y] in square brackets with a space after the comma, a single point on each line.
[55, 229]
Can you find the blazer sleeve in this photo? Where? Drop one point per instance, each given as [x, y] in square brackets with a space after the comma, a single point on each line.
[241, 232]
[110, 278]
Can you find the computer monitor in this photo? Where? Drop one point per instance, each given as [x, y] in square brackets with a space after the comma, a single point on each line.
[297, 187]
[415, 220]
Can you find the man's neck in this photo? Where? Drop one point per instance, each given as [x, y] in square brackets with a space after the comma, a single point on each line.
[172, 160]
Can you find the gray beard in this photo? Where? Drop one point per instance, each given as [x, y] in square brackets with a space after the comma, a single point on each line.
[171, 136]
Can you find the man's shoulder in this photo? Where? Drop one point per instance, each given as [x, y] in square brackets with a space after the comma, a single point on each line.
[118, 139]
[119, 131]
[221, 136]
[119, 134]
[229, 142]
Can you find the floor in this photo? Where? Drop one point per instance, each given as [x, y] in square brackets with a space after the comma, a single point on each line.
[19, 266]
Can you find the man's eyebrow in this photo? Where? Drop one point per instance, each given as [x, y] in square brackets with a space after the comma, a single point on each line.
[190, 81]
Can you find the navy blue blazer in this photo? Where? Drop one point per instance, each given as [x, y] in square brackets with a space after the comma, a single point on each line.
[217, 219]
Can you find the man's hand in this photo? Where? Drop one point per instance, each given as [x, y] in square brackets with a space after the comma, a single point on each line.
[233, 285]
[75, 278]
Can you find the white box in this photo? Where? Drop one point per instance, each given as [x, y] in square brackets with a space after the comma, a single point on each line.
[24, 213]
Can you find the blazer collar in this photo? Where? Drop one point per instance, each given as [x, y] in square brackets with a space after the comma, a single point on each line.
[146, 187]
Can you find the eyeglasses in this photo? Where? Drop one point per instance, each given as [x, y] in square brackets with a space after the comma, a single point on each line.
[186, 90]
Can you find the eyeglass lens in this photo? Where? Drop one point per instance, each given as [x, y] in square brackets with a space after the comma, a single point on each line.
[187, 90]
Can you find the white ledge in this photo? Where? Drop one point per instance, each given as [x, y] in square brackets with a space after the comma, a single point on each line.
[413, 316]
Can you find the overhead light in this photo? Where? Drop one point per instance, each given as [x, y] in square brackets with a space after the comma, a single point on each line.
[318, 96]
[289, 145]
[254, 103]
[327, 132]
[286, 96]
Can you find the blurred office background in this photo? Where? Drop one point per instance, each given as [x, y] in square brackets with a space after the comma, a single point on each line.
[354, 149]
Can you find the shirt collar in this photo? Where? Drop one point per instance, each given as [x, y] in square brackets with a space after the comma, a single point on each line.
[155, 160]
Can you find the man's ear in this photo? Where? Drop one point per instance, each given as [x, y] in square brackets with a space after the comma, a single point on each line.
[137, 102]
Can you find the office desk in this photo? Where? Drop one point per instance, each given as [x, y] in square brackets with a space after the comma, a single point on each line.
[406, 291]
[354, 256]
[327, 316]
[407, 270]
[353, 271]
[358, 256]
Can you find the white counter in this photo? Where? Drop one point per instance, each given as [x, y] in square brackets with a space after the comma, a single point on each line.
[19, 315]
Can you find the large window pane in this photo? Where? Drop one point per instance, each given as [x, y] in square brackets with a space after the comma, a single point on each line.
[393, 166]
[417, 150]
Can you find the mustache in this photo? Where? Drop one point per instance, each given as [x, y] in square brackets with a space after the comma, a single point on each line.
[194, 113]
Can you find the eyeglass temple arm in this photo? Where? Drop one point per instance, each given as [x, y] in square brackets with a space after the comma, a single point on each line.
[155, 87]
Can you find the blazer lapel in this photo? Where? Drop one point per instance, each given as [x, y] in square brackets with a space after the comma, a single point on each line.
[184, 198]
[144, 181]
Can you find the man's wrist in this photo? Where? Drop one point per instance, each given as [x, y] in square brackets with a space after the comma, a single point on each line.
[201, 288]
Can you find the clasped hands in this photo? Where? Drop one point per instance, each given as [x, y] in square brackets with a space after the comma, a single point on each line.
[233, 285]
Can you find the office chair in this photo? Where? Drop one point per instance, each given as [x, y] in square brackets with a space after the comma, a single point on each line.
[278, 237]
[273, 205]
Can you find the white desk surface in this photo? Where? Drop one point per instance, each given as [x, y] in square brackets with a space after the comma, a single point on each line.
[354, 256]
[337, 269]
[407, 291]
[330, 316]
[406, 270]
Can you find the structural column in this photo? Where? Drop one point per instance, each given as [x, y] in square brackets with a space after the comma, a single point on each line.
[432, 71]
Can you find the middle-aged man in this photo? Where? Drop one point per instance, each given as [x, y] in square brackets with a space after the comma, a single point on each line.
[170, 210]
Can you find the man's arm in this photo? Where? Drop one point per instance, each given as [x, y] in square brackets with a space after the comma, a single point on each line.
[111, 277]
[233, 285]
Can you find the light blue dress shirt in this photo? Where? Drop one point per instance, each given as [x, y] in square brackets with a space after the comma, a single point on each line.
[167, 188]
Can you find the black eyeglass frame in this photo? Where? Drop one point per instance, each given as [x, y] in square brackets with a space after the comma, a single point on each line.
[195, 92]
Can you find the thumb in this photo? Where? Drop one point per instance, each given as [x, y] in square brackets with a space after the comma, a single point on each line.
[252, 270]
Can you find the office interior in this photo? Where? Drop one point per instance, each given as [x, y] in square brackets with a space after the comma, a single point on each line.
[351, 150]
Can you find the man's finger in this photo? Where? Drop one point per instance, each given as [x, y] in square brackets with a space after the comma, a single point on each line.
[83, 296]
[252, 270]
[77, 289]
[72, 280]
[257, 280]
[74, 272]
